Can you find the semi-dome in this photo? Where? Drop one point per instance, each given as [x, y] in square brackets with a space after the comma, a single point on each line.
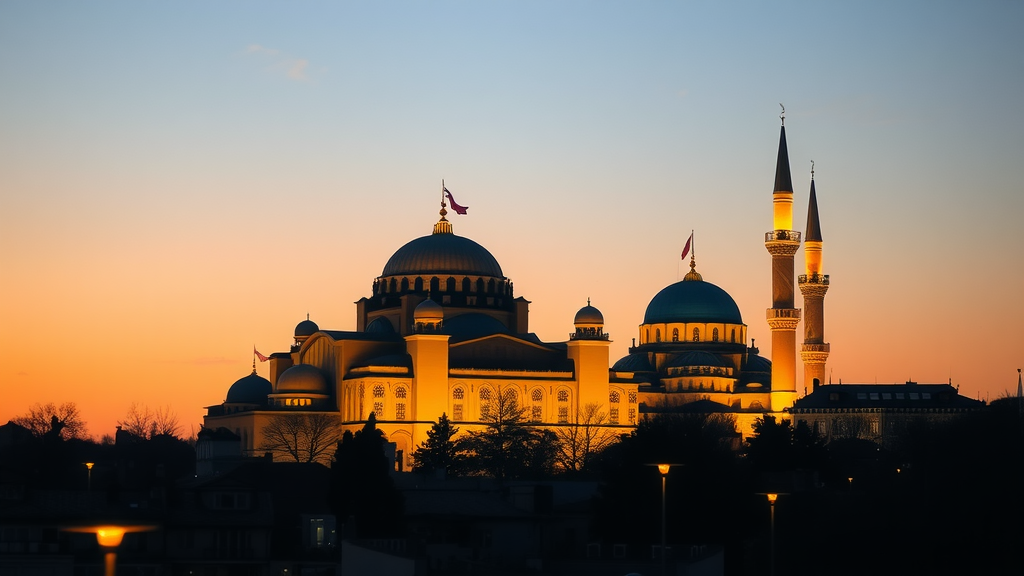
[757, 371]
[302, 378]
[635, 362]
[380, 325]
[442, 253]
[692, 301]
[252, 389]
[589, 315]
[306, 328]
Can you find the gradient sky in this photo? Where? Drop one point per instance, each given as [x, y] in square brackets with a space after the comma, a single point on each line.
[180, 181]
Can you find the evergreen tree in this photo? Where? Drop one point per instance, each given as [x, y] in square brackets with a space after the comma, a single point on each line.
[439, 451]
[362, 490]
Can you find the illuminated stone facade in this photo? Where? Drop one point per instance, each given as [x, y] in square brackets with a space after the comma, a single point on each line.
[442, 331]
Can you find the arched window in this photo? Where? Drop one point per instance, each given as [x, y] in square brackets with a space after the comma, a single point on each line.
[714, 335]
[648, 336]
[537, 395]
[458, 394]
[563, 396]
[732, 336]
[479, 285]
[696, 335]
[657, 335]
[405, 284]
[435, 285]
[510, 396]
[613, 398]
[378, 391]
[450, 285]
[465, 284]
[490, 286]
[394, 285]
[418, 285]
[400, 393]
[485, 394]
[675, 334]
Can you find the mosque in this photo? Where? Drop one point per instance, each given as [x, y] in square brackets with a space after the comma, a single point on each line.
[442, 332]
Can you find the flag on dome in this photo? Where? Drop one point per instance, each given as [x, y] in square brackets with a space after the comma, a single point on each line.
[260, 356]
[458, 209]
[686, 249]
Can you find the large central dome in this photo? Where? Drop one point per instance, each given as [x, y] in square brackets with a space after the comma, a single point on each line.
[442, 253]
[692, 300]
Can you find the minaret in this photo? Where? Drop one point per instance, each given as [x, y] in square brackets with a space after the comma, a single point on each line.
[813, 285]
[782, 243]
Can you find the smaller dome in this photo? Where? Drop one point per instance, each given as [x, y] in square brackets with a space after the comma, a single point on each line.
[252, 389]
[380, 325]
[635, 362]
[306, 328]
[302, 378]
[757, 371]
[428, 311]
[589, 315]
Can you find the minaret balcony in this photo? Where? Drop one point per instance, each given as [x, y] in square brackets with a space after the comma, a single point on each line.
[816, 348]
[782, 236]
[813, 279]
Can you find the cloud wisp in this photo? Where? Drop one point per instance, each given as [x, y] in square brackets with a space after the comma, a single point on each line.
[277, 63]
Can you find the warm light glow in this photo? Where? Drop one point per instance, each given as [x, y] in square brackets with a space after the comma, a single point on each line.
[772, 498]
[663, 468]
[110, 536]
[89, 465]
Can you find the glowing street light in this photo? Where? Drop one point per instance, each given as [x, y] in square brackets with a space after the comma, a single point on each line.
[109, 537]
[663, 470]
[89, 465]
[772, 497]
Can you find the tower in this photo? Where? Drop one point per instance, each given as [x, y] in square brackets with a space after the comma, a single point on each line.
[813, 285]
[782, 243]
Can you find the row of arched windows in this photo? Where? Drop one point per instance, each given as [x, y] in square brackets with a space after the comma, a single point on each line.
[696, 335]
[493, 286]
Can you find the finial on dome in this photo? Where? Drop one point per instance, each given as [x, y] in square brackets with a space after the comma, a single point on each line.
[588, 300]
[812, 169]
[783, 115]
[693, 275]
[443, 226]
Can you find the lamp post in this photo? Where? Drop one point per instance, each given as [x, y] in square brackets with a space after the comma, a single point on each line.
[109, 537]
[89, 465]
[663, 470]
[772, 497]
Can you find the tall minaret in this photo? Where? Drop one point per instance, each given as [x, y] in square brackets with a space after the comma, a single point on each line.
[782, 243]
[813, 285]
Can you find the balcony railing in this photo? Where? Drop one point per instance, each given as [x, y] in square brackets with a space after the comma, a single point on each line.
[782, 236]
[812, 279]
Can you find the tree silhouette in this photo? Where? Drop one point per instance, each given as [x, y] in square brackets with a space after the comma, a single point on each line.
[301, 436]
[507, 448]
[582, 439]
[39, 420]
[363, 495]
[144, 422]
[439, 451]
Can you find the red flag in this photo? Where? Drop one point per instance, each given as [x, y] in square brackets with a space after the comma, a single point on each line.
[260, 356]
[686, 249]
[458, 209]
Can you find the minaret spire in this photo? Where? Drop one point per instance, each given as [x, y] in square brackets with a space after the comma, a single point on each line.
[813, 286]
[443, 226]
[782, 243]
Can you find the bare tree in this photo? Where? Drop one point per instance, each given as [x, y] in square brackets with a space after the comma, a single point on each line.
[144, 422]
[583, 438]
[40, 420]
[302, 437]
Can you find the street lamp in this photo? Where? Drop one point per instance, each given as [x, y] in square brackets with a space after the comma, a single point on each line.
[663, 470]
[109, 537]
[772, 497]
[89, 465]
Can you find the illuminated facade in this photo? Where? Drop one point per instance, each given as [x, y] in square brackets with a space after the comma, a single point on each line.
[443, 332]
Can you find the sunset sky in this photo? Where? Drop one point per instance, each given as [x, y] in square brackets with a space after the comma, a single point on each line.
[182, 181]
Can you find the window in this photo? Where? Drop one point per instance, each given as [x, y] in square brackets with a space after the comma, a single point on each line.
[613, 415]
[563, 414]
[458, 394]
[400, 411]
[657, 335]
[536, 414]
[632, 397]
[613, 397]
[378, 409]
[485, 394]
[696, 335]
[378, 391]
[563, 396]
[714, 335]
[317, 532]
[400, 393]
[537, 395]
[732, 336]
[457, 412]
[632, 415]
[675, 334]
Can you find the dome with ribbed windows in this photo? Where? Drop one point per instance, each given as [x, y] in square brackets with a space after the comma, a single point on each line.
[692, 300]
